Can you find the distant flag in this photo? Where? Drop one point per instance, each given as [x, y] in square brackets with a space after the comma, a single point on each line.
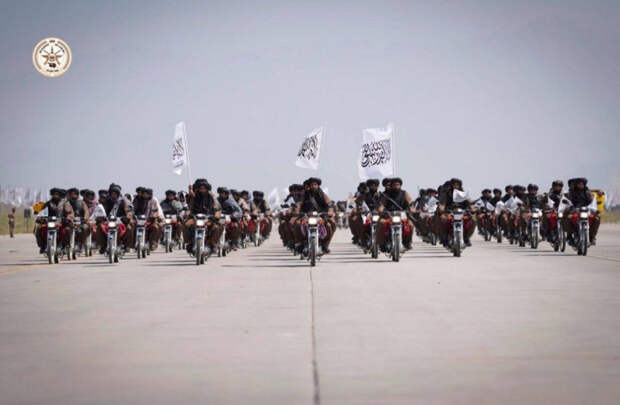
[12, 196]
[179, 149]
[377, 153]
[28, 196]
[273, 198]
[310, 150]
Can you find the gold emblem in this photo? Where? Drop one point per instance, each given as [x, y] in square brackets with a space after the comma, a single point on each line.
[51, 57]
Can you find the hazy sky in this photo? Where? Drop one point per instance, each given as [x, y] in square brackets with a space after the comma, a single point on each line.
[493, 92]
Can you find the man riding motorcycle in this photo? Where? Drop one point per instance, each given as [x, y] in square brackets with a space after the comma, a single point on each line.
[447, 204]
[394, 199]
[230, 207]
[155, 219]
[288, 216]
[173, 207]
[580, 196]
[485, 213]
[202, 201]
[115, 204]
[497, 196]
[551, 204]
[366, 202]
[532, 201]
[56, 207]
[80, 210]
[355, 217]
[314, 199]
[259, 205]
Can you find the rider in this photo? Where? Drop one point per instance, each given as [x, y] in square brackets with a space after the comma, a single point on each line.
[355, 218]
[139, 201]
[580, 196]
[315, 199]
[531, 202]
[56, 207]
[394, 199]
[230, 207]
[155, 218]
[371, 201]
[497, 196]
[173, 207]
[446, 204]
[485, 210]
[202, 201]
[80, 210]
[551, 202]
[509, 193]
[115, 204]
[288, 217]
[259, 205]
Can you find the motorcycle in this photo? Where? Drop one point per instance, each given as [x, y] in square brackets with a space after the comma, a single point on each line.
[534, 228]
[169, 221]
[75, 230]
[374, 248]
[484, 224]
[52, 240]
[340, 222]
[141, 247]
[498, 227]
[582, 240]
[256, 236]
[394, 241]
[312, 248]
[88, 245]
[200, 236]
[457, 232]
[113, 250]
[559, 240]
[223, 246]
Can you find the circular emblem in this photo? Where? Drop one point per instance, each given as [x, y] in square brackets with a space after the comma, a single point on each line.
[51, 57]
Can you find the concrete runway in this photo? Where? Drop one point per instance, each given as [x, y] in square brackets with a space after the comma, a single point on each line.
[501, 324]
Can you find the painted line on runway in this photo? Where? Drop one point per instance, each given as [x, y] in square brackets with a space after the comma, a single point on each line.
[315, 366]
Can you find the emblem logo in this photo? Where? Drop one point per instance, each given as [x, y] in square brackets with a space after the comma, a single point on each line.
[51, 57]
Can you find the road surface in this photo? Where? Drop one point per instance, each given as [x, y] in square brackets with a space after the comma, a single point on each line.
[501, 324]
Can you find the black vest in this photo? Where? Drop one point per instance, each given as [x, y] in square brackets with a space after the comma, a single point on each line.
[78, 208]
[395, 201]
[202, 204]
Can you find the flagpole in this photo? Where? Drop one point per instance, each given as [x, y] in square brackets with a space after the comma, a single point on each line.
[394, 148]
[189, 167]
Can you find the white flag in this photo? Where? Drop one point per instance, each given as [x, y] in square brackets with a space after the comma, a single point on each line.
[274, 198]
[179, 149]
[376, 156]
[308, 155]
[19, 195]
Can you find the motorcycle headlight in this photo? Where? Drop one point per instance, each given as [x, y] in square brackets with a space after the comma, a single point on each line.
[560, 214]
[51, 224]
[111, 224]
[340, 214]
[313, 221]
[141, 222]
[535, 215]
[583, 215]
[168, 221]
[375, 218]
[458, 217]
[396, 219]
[200, 223]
